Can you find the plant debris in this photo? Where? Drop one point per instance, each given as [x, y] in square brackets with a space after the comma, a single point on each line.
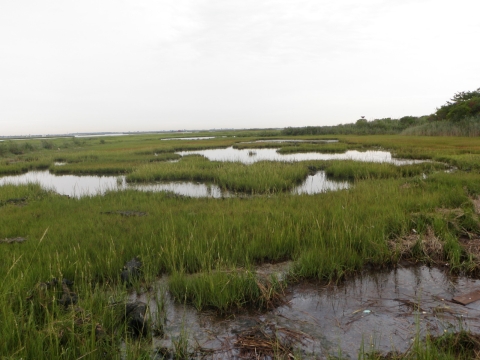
[268, 341]
[466, 299]
[414, 245]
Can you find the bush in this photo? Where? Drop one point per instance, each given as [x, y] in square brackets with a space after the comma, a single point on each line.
[14, 148]
[458, 112]
[47, 144]
[28, 146]
[460, 106]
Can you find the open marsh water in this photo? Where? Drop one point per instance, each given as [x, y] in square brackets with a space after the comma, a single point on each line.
[382, 310]
[250, 156]
[78, 186]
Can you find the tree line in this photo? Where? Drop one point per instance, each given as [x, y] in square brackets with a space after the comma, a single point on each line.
[461, 111]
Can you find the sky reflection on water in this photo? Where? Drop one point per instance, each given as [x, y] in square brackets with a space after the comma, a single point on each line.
[250, 156]
[78, 186]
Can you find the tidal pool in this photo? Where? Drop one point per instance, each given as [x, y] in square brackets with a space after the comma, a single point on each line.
[382, 310]
[78, 186]
[250, 156]
[70, 185]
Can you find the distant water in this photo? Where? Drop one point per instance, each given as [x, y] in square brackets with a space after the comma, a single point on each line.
[250, 156]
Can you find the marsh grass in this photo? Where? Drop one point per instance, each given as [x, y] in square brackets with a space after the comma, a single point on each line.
[467, 127]
[15, 166]
[354, 170]
[458, 345]
[299, 147]
[328, 148]
[260, 177]
[226, 291]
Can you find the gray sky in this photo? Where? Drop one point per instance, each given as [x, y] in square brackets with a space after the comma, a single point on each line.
[124, 65]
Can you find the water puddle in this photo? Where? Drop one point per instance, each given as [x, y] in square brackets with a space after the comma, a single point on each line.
[250, 156]
[318, 183]
[70, 185]
[190, 189]
[382, 310]
[78, 186]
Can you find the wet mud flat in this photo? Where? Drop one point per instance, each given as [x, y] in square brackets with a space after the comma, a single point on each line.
[381, 311]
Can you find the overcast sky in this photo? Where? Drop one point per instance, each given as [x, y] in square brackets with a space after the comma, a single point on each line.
[123, 65]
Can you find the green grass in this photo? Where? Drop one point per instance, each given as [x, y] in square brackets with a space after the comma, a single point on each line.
[301, 147]
[460, 345]
[467, 127]
[239, 289]
[260, 177]
[328, 148]
[354, 170]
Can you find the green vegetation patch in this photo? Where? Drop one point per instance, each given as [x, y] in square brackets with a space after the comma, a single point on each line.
[328, 148]
[260, 177]
[226, 291]
[354, 170]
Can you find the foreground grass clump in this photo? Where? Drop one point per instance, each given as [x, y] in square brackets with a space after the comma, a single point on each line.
[238, 290]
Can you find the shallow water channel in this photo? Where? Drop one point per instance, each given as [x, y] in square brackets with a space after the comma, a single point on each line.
[381, 310]
[250, 156]
[78, 186]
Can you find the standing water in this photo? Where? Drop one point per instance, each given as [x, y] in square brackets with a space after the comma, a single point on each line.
[384, 311]
[250, 156]
[78, 186]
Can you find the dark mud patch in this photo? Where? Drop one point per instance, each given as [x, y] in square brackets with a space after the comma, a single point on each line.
[13, 240]
[131, 271]
[135, 316]
[126, 213]
[68, 296]
[15, 201]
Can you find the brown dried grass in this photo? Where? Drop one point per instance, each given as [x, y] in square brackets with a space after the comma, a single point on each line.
[409, 246]
[268, 341]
